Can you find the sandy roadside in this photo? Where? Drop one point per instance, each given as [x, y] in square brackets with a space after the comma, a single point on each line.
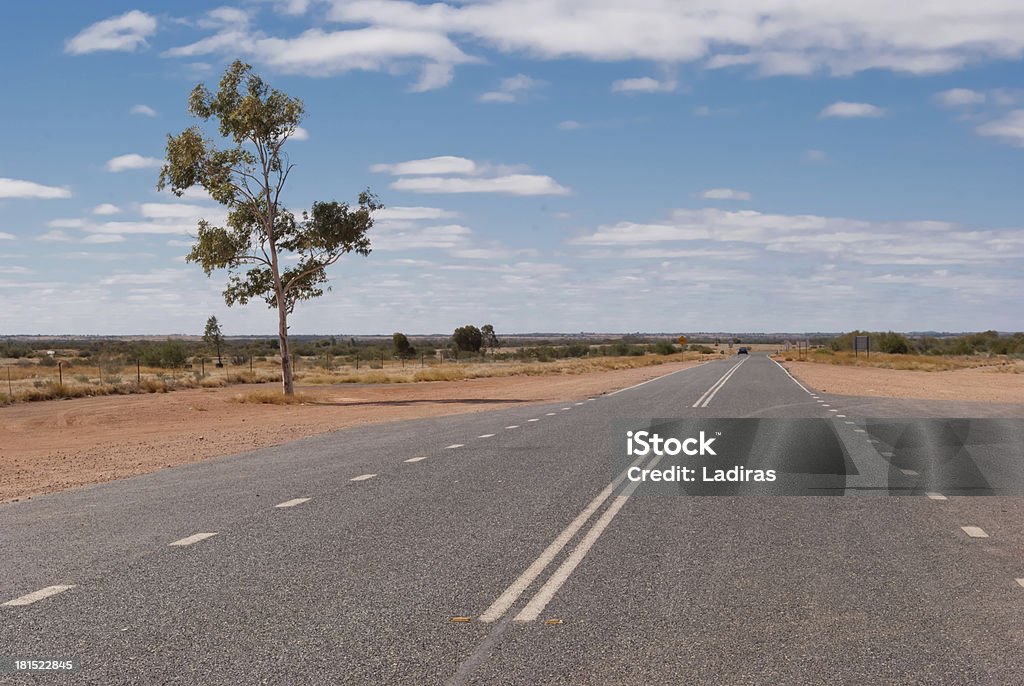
[56, 445]
[985, 384]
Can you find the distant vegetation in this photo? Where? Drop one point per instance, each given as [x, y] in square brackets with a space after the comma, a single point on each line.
[42, 368]
[986, 342]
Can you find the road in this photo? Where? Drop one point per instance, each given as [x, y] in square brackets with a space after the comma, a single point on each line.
[496, 548]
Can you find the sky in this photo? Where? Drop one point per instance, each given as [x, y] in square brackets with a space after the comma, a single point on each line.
[546, 165]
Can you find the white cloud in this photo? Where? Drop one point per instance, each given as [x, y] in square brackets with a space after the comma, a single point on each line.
[447, 236]
[644, 84]
[569, 125]
[292, 7]
[959, 97]
[433, 75]
[125, 33]
[300, 134]
[444, 164]
[15, 270]
[449, 174]
[17, 188]
[513, 89]
[725, 194]
[391, 214]
[144, 110]
[106, 209]
[1009, 129]
[156, 276]
[848, 110]
[800, 37]
[66, 223]
[797, 37]
[100, 238]
[856, 241]
[160, 218]
[512, 184]
[4, 236]
[132, 161]
[220, 17]
[56, 236]
[813, 155]
[316, 52]
[174, 210]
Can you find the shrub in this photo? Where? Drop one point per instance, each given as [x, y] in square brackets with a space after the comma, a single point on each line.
[153, 386]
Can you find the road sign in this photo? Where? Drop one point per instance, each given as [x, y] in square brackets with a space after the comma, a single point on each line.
[682, 340]
[862, 343]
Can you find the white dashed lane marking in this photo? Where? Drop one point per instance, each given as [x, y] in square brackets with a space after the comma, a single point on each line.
[362, 477]
[1021, 582]
[453, 446]
[514, 426]
[293, 502]
[566, 408]
[194, 538]
[551, 414]
[36, 596]
[533, 420]
[579, 404]
[485, 436]
[909, 472]
[936, 496]
[974, 531]
[416, 459]
[843, 415]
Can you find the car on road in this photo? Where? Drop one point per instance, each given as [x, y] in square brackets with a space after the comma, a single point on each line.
[742, 351]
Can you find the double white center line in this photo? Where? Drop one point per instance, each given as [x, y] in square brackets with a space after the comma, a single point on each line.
[709, 395]
[536, 605]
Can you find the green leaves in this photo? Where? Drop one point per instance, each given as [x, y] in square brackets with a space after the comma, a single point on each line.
[248, 177]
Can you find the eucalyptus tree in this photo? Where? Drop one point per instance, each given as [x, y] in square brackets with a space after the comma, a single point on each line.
[267, 252]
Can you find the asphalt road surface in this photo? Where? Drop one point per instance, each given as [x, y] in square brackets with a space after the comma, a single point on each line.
[515, 523]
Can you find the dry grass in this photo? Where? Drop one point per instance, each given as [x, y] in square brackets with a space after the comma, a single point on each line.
[34, 382]
[272, 397]
[480, 370]
[923, 363]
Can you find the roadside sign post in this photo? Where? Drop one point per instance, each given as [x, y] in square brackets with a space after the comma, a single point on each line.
[862, 343]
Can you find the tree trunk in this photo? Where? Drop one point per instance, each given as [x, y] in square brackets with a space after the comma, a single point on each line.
[287, 381]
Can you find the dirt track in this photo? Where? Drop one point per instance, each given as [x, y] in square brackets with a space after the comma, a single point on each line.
[56, 445]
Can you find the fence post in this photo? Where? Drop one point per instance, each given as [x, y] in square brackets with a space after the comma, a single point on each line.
[202, 366]
[60, 373]
[357, 363]
[10, 389]
[382, 359]
[422, 356]
[250, 365]
[138, 371]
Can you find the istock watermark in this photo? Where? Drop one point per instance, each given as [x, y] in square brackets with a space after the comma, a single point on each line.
[827, 456]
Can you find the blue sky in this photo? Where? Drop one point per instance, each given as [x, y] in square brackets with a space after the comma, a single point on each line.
[556, 165]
